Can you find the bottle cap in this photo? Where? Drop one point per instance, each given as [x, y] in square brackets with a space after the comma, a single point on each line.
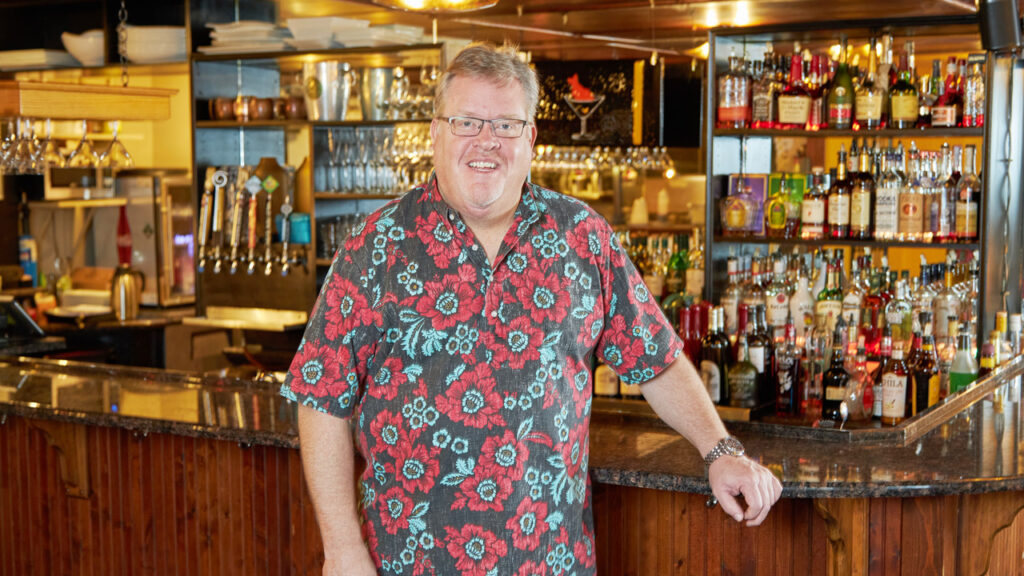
[1015, 323]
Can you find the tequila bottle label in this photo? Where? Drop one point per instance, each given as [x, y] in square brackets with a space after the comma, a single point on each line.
[894, 395]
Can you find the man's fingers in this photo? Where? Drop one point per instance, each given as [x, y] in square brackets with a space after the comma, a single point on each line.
[731, 506]
[754, 494]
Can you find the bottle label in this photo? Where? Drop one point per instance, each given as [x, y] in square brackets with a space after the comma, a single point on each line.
[757, 358]
[694, 281]
[794, 109]
[743, 388]
[894, 395]
[775, 214]
[904, 107]
[840, 113]
[886, 212]
[911, 218]
[712, 377]
[828, 310]
[733, 114]
[869, 106]
[860, 209]
[729, 303]
[967, 219]
[944, 308]
[934, 386]
[655, 285]
[944, 116]
[777, 310]
[835, 393]
[762, 106]
[812, 214]
[838, 210]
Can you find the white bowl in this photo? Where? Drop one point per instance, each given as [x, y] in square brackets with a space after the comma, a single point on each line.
[86, 47]
[152, 44]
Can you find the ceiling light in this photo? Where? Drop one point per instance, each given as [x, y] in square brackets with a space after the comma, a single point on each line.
[741, 15]
[437, 6]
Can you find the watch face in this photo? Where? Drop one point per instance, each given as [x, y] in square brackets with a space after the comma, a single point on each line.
[732, 446]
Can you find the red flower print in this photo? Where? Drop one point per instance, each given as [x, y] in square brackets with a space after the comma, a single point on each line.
[589, 242]
[584, 549]
[388, 379]
[528, 524]
[387, 430]
[618, 349]
[438, 238]
[356, 242]
[474, 549]
[347, 309]
[514, 344]
[483, 491]
[575, 449]
[472, 401]
[315, 370]
[577, 378]
[542, 296]
[504, 455]
[415, 467]
[395, 507]
[533, 569]
[449, 301]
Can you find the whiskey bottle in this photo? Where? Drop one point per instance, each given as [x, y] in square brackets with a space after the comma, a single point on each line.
[764, 93]
[903, 97]
[838, 211]
[871, 96]
[926, 373]
[812, 211]
[795, 101]
[834, 380]
[714, 352]
[787, 374]
[968, 199]
[861, 198]
[731, 297]
[734, 95]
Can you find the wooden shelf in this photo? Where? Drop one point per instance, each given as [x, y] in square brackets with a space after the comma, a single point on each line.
[885, 133]
[719, 239]
[62, 101]
[369, 51]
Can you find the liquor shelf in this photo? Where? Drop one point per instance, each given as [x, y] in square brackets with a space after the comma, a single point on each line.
[298, 124]
[885, 132]
[720, 239]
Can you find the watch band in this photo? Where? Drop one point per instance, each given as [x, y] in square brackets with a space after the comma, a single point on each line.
[728, 446]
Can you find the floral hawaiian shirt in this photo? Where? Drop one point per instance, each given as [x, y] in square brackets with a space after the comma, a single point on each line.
[472, 379]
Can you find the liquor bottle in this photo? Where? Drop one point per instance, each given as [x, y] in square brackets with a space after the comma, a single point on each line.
[734, 95]
[714, 352]
[742, 377]
[988, 355]
[816, 119]
[861, 198]
[1014, 335]
[964, 370]
[694, 270]
[968, 199]
[859, 390]
[911, 207]
[945, 349]
[787, 374]
[775, 211]
[887, 195]
[841, 94]
[777, 301]
[895, 387]
[759, 350]
[871, 97]
[948, 108]
[653, 271]
[1004, 351]
[838, 210]
[731, 297]
[812, 213]
[753, 294]
[853, 298]
[944, 305]
[794, 103]
[884, 354]
[801, 307]
[763, 93]
[685, 331]
[834, 380]
[606, 381]
[829, 302]
[903, 97]
[926, 373]
[928, 95]
[791, 188]
[974, 94]
[944, 200]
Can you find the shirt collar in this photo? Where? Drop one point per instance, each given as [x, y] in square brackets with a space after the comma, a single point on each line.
[528, 211]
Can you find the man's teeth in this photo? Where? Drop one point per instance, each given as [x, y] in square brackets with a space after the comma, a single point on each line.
[487, 165]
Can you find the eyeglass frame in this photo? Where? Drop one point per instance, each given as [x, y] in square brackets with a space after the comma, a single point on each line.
[451, 126]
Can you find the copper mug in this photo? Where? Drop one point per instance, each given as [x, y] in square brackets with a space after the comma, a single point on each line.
[295, 108]
[280, 108]
[261, 108]
[222, 108]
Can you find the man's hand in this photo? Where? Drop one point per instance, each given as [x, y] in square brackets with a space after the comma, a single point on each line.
[731, 476]
[350, 561]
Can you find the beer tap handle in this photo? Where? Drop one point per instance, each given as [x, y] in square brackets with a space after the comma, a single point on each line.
[236, 217]
[220, 182]
[268, 233]
[286, 224]
[253, 186]
[204, 218]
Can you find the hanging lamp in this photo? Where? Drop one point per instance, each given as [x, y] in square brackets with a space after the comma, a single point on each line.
[437, 6]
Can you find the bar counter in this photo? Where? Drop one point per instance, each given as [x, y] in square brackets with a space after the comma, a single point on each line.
[162, 445]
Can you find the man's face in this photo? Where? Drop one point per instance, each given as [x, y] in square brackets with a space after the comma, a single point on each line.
[482, 176]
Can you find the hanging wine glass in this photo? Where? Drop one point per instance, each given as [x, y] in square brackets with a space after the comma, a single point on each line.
[83, 155]
[49, 151]
[116, 155]
[7, 148]
[24, 156]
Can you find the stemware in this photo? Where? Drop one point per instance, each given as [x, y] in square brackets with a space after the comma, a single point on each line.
[83, 156]
[116, 156]
[333, 185]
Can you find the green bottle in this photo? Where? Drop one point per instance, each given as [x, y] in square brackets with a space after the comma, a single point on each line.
[964, 370]
[841, 95]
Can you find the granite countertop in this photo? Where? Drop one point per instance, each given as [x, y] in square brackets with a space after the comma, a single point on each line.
[980, 449]
[148, 318]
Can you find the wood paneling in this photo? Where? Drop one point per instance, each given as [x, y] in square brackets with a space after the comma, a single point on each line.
[163, 504]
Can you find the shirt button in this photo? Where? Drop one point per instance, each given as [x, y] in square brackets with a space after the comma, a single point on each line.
[474, 248]
[451, 216]
[494, 314]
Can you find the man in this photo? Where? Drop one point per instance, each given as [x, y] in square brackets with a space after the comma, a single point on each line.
[461, 320]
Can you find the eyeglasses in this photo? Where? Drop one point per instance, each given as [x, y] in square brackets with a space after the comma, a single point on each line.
[502, 127]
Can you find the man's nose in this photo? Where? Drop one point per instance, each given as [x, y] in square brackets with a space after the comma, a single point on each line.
[486, 138]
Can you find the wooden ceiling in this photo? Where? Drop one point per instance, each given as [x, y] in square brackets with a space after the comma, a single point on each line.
[566, 29]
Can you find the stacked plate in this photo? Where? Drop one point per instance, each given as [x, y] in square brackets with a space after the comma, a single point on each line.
[22, 59]
[245, 36]
[318, 33]
[380, 36]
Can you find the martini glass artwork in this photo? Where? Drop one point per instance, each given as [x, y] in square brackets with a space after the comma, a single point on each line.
[583, 109]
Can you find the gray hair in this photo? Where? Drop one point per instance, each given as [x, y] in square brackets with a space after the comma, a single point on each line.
[500, 65]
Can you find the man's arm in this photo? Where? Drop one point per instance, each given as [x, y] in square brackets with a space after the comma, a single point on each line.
[328, 462]
[677, 395]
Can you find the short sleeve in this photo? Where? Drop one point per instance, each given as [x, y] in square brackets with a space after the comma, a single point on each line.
[637, 341]
[341, 338]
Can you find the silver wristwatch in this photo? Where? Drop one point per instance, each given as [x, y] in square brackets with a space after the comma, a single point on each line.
[728, 446]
